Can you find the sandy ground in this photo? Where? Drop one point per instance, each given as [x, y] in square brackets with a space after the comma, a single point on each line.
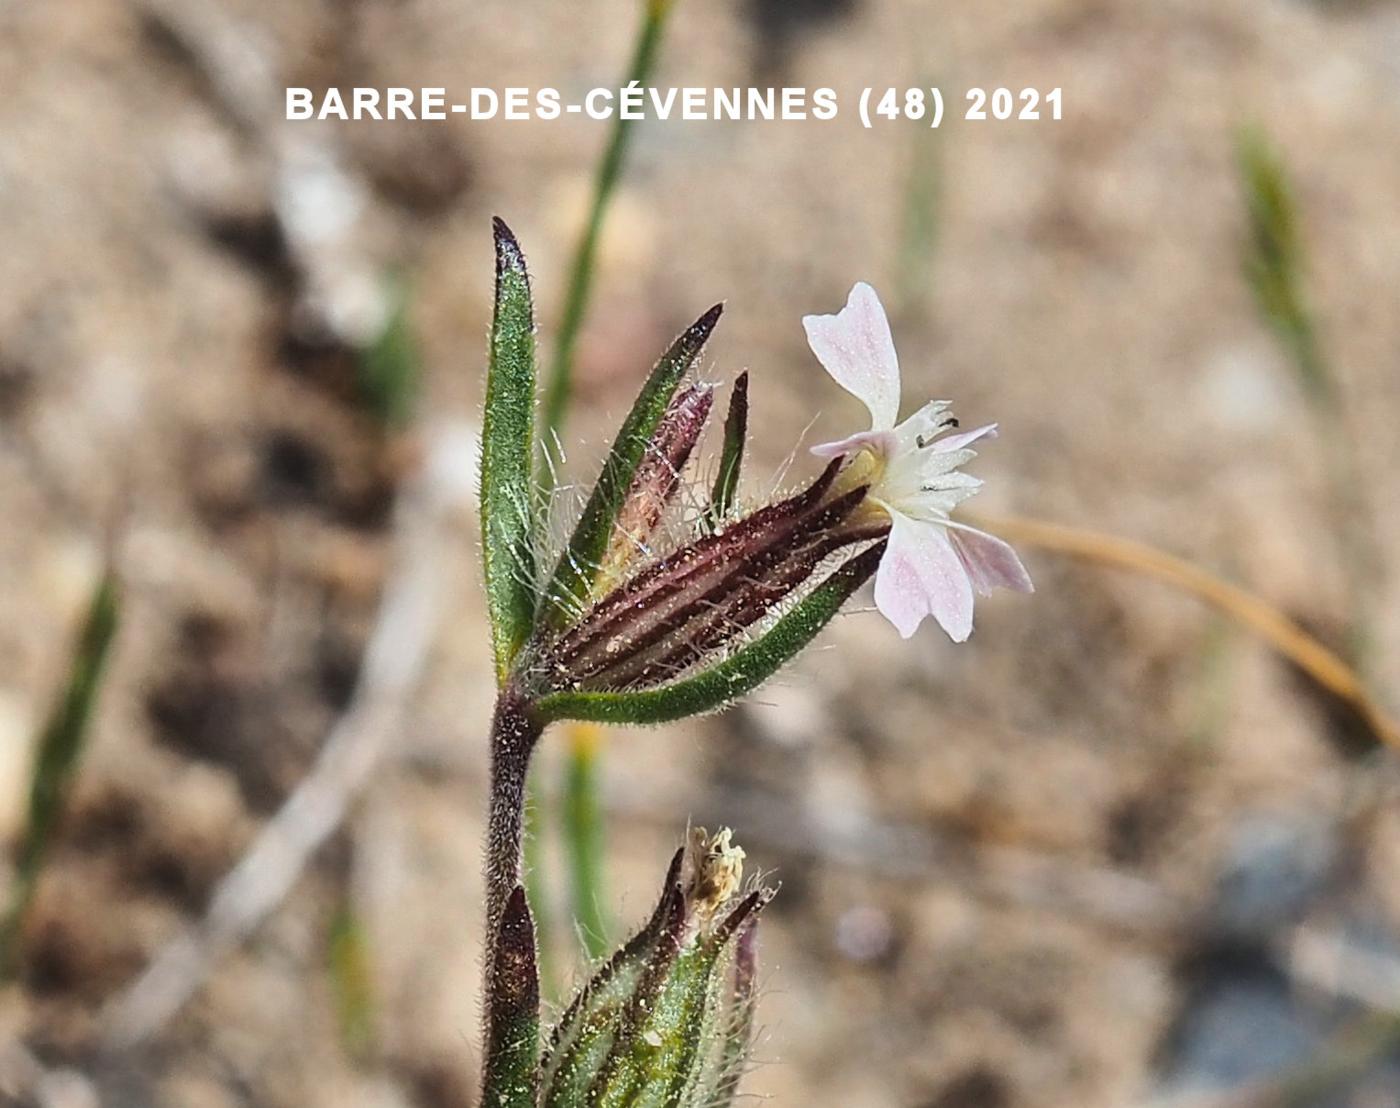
[1075, 862]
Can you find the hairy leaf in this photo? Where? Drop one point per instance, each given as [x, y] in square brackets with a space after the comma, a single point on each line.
[507, 454]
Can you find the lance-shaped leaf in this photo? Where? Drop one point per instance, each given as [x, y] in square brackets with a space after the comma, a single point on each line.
[573, 579]
[740, 673]
[731, 459]
[507, 453]
[513, 1011]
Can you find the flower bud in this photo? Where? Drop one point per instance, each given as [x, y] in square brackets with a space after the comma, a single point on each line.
[667, 1020]
[654, 484]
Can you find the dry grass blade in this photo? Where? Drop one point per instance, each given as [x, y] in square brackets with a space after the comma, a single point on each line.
[1261, 617]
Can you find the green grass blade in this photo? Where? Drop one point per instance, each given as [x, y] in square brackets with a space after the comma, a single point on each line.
[1274, 261]
[59, 750]
[584, 837]
[391, 366]
[740, 673]
[507, 455]
[352, 983]
[1275, 267]
[559, 386]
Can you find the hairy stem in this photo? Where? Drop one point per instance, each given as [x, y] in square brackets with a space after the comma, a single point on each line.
[511, 973]
[514, 731]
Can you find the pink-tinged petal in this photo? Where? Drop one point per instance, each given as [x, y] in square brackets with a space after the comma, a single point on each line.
[963, 438]
[990, 562]
[880, 442]
[856, 348]
[921, 574]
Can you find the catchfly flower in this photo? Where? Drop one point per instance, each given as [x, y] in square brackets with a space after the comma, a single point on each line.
[652, 612]
[932, 564]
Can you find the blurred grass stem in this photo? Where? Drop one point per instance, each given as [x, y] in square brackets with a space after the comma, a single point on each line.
[56, 764]
[583, 835]
[559, 384]
[1274, 265]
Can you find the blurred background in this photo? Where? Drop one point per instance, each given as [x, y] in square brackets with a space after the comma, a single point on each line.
[1112, 852]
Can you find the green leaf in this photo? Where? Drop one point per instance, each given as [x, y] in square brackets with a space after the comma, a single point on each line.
[725, 682]
[731, 459]
[507, 454]
[573, 578]
[60, 747]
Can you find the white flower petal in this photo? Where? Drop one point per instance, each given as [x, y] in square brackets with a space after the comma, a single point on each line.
[921, 574]
[964, 438]
[880, 442]
[990, 562]
[856, 348]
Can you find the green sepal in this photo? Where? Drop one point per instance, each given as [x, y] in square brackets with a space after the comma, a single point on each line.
[584, 1039]
[737, 1036]
[740, 673]
[513, 1041]
[731, 459]
[507, 454]
[668, 1053]
[659, 1061]
[573, 578]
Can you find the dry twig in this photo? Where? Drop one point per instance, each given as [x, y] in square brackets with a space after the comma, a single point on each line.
[390, 670]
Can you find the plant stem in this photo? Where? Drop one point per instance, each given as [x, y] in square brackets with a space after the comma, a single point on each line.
[537, 880]
[514, 732]
[560, 383]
